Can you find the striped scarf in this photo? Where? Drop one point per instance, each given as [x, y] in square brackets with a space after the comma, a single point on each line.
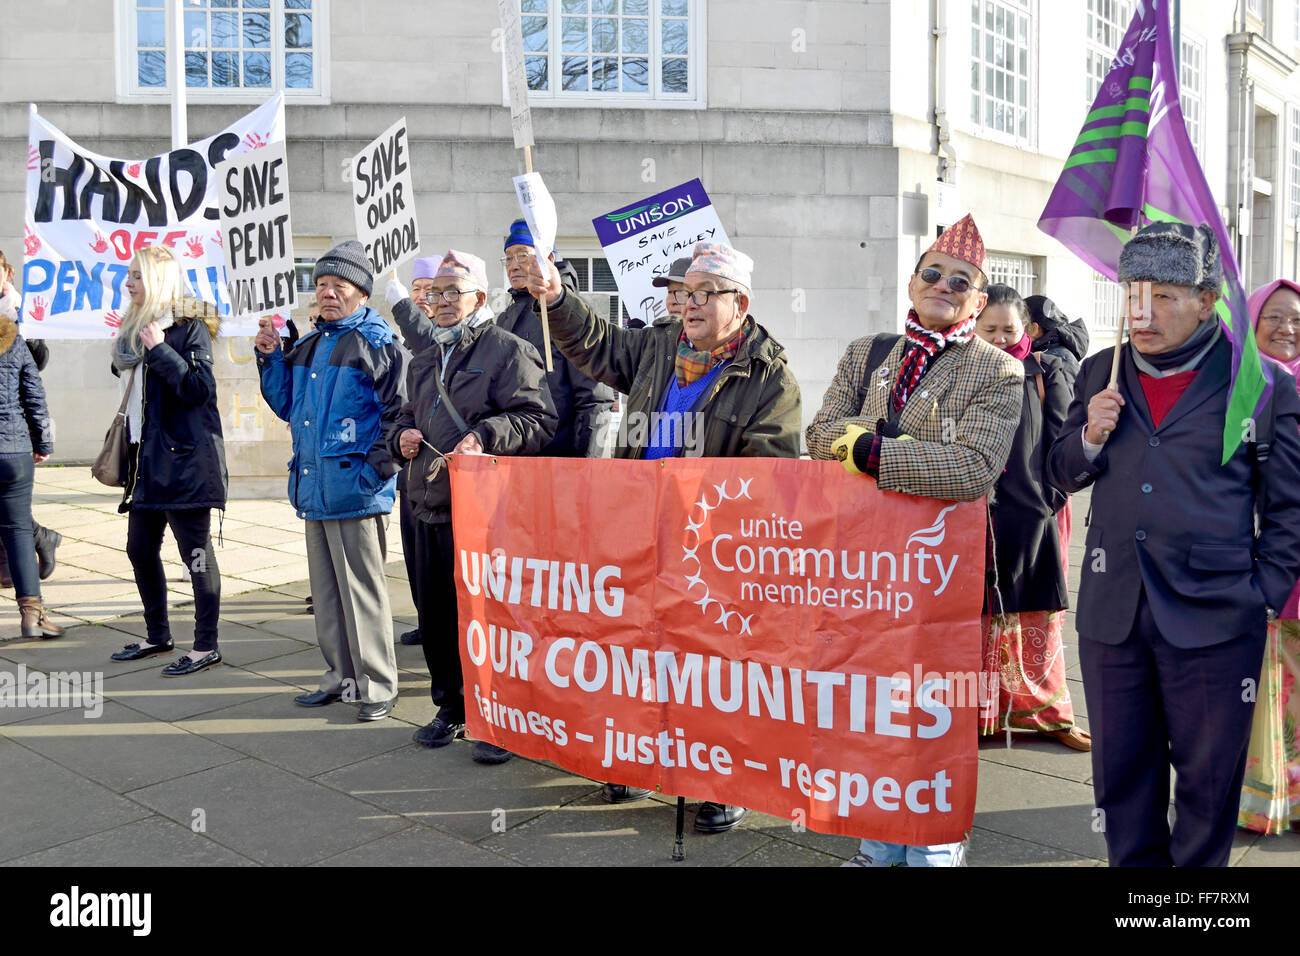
[921, 348]
[692, 365]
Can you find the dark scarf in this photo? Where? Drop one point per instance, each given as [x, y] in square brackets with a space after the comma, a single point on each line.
[1186, 357]
[920, 349]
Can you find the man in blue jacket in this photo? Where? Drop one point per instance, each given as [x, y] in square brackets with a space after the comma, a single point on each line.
[338, 387]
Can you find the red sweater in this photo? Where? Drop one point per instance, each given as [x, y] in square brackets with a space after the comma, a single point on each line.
[1163, 393]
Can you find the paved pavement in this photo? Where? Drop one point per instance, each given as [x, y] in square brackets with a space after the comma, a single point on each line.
[221, 768]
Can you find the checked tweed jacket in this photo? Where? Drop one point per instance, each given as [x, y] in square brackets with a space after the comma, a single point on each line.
[962, 416]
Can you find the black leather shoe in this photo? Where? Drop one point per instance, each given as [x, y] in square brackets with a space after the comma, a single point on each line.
[133, 652]
[438, 733]
[621, 793]
[412, 637]
[317, 698]
[185, 665]
[485, 752]
[717, 818]
[376, 711]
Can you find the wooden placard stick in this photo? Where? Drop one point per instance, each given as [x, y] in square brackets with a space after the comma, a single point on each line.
[1119, 334]
[546, 324]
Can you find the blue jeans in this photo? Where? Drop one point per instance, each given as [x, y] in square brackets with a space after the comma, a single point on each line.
[16, 474]
[900, 854]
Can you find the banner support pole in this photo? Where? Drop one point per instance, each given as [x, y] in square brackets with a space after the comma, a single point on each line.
[546, 324]
[176, 72]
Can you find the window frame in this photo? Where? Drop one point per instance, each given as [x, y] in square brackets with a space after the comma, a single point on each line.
[1100, 285]
[1095, 46]
[978, 127]
[1293, 165]
[1013, 271]
[129, 90]
[571, 249]
[1190, 40]
[696, 62]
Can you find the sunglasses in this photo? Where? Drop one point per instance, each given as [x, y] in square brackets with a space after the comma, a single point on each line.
[956, 283]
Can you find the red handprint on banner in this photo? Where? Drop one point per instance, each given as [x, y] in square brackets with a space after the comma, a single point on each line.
[37, 311]
[113, 319]
[277, 320]
[255, 140]
[33, 157]
[133, 170]
[100, 244]
[218, 240]
[31, 242]
[196, 247]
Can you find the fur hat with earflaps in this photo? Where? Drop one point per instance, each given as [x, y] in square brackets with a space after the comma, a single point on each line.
[1173, 253]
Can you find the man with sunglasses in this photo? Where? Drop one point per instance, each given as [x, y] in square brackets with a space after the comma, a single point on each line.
[713, 383]
[475, 390]
[931, 413]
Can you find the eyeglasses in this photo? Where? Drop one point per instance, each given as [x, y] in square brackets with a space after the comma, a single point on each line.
[519, 259]
[448, 295]
[1280, 321]
[956, 283]
[700, 296]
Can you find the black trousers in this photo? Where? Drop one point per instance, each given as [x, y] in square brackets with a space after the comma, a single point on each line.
[435, 602]
[1151, 706]
[406, 523]
[16, 477]
[191, 527]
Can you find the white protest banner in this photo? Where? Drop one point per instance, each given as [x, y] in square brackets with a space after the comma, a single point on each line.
[385, 200]
[87, 214]
[642, 240]
[258, 237]
[512, 51]
[539, 212]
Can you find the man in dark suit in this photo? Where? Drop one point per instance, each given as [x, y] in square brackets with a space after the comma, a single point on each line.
[1176, 585]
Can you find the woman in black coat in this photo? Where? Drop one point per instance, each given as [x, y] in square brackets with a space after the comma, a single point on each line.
[26, 440]
[176, 468]
[1024, 664]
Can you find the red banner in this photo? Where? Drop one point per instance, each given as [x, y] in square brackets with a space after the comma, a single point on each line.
[771, 633]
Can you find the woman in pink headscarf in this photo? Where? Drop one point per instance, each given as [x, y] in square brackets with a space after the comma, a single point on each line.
[1270, 791]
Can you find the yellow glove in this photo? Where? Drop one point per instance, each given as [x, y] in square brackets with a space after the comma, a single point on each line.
[842, 447]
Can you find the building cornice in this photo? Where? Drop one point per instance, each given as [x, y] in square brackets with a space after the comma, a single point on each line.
[1255, 43]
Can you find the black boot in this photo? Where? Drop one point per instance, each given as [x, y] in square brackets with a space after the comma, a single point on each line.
[46, 543]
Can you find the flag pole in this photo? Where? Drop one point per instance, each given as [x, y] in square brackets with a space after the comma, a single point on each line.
[1119, 335]
[176, 72]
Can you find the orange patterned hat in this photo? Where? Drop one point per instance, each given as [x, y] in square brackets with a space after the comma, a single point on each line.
[962, 241]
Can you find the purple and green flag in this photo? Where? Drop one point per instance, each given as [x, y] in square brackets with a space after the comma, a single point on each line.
[1132, 165]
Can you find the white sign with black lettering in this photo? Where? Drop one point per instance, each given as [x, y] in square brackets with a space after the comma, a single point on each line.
[257, 237]
[385, 200]
[538, 207]
[512, 51]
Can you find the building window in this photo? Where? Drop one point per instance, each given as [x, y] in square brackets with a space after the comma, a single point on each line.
[1191, 88]
[1107, 21]
[1293, 164]
[1015, 271]
[613, 51]
[1108, 302]
[1001, 66]
[1255, 8]
[233, 48]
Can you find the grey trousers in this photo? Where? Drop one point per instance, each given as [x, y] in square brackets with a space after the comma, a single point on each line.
[354, 622]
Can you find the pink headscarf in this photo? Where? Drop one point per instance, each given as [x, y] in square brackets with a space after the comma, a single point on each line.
[1255, 305]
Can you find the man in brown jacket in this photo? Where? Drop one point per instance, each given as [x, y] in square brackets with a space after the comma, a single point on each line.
[932, 414]
[711, 383]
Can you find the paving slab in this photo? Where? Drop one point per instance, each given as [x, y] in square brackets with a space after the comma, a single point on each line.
[32, 820]
[304, 740]
[417, 846]
[120, 749]
[1031, 752]
[1040, 809]
[590, 832]
[176, 698]
[988, 848]
[1279, 849]
[443, 788]
[267, 814]
[85, 647]
[779, 853]
[146, 843]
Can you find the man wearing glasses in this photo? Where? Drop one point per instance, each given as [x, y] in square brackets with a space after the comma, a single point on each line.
[475, 390]
[584, 407]
[713, 383]
[930, 413]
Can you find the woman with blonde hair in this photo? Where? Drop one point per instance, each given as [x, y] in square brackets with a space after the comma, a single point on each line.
[176, 463]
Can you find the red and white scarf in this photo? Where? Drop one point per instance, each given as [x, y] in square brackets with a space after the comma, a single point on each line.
[919, 351]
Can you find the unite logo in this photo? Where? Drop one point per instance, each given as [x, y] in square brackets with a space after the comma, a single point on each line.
[779, 562]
